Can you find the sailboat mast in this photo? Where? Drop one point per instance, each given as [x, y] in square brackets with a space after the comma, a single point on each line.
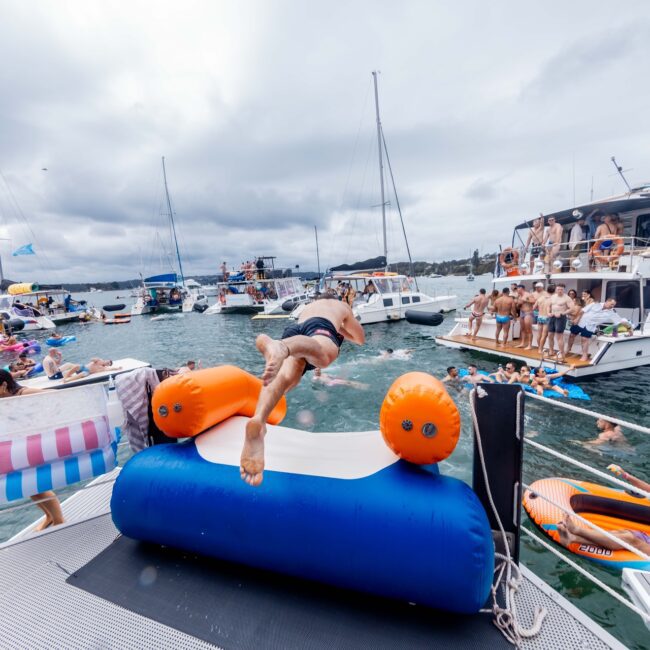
[317, 253]
[171, 218]
[381, 167]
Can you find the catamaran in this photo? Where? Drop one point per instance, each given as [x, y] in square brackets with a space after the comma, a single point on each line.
[616, 266]
[167, 292]
[382, 296]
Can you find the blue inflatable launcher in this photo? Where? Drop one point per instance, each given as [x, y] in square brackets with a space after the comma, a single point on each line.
[367, 511]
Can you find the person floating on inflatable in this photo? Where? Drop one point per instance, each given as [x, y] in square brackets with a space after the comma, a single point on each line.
[312, 342]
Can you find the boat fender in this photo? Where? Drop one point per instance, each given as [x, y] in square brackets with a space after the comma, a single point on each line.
[418, 419]
[15, 324]
[199, 308]
[113, 307]
[289, 305]
[187, 404]
[423, 318]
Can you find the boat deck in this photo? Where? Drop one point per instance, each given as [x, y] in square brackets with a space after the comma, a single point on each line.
[481, 344]
[83, 585]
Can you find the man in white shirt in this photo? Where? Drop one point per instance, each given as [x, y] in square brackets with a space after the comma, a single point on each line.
[594, 315]
[577, 238]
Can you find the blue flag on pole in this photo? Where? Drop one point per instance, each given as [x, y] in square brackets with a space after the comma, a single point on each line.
[24, 250]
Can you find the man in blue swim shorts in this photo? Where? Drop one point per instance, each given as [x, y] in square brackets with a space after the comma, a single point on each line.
[504, 306]
[312, 342]
[55, 368]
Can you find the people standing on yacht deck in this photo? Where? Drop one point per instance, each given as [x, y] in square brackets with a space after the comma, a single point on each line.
[492, 299]
[607, 228]
[577, 237]
[543, 307]
[49, 503]
[535, 241]
[576, 314]
[552, 241]
[561, 305]
[259, 265]
[312, 342]
[505, 312]
[478, 304]
[525, 302]
[224, 271]
[593, 315]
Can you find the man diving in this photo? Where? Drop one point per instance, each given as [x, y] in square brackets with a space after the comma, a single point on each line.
[312, 342]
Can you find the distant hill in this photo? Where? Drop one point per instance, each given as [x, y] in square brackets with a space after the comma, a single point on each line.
[480, 265]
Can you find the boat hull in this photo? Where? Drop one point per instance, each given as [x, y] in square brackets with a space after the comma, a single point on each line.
[608, 353]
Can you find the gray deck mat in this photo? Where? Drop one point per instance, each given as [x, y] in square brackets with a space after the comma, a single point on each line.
[236, 607]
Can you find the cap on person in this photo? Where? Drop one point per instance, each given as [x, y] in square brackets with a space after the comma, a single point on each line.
[521, 286]
[539, 284]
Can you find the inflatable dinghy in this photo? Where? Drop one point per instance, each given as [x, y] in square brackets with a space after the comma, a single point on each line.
[366, 511]
[608, 508]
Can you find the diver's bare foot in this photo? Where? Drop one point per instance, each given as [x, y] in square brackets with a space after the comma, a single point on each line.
[252, 456]
[275, 352]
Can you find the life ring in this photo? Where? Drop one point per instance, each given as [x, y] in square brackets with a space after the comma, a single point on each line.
[509, 261]
[609, 508]
[608, 249]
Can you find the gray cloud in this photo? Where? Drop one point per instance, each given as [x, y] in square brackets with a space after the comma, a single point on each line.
[265, 114]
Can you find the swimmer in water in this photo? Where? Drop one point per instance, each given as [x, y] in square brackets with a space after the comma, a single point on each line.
[610, 432]
[313, 342]
[328, 380]
[389, 353]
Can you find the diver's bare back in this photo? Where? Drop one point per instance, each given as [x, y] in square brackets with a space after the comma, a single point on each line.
[336, 312]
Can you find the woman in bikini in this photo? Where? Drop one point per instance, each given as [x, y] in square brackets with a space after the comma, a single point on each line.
[49, 503]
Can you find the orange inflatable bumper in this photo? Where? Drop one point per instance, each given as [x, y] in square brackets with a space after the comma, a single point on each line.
[418, 419]
[185, 405]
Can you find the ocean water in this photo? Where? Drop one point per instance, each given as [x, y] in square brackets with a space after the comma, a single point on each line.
[217, 339]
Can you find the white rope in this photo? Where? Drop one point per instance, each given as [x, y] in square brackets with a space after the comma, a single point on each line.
[505, 618]
[587, 468]
[593, 414]
[586, 574]
[590, 524]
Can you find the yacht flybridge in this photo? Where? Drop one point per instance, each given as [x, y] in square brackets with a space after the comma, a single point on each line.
[616, 265]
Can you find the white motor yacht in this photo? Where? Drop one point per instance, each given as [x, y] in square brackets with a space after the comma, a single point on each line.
[381, 297]
[616, 266]
[163, 294]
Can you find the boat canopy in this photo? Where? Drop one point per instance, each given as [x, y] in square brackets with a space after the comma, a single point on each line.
[608, 206]
[167, 279]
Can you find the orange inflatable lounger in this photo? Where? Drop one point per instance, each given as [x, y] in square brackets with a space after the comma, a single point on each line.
[607, 507]
[185, 405]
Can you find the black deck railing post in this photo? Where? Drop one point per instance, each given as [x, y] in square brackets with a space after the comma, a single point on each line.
[500, 417]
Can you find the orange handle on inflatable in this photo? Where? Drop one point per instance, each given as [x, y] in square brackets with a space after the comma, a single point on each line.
[418, 419]
[187, 404]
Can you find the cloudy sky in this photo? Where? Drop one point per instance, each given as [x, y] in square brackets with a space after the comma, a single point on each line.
[264, 113]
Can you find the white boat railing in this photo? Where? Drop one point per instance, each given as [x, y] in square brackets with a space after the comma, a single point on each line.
[596, 472]
[568, 257]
